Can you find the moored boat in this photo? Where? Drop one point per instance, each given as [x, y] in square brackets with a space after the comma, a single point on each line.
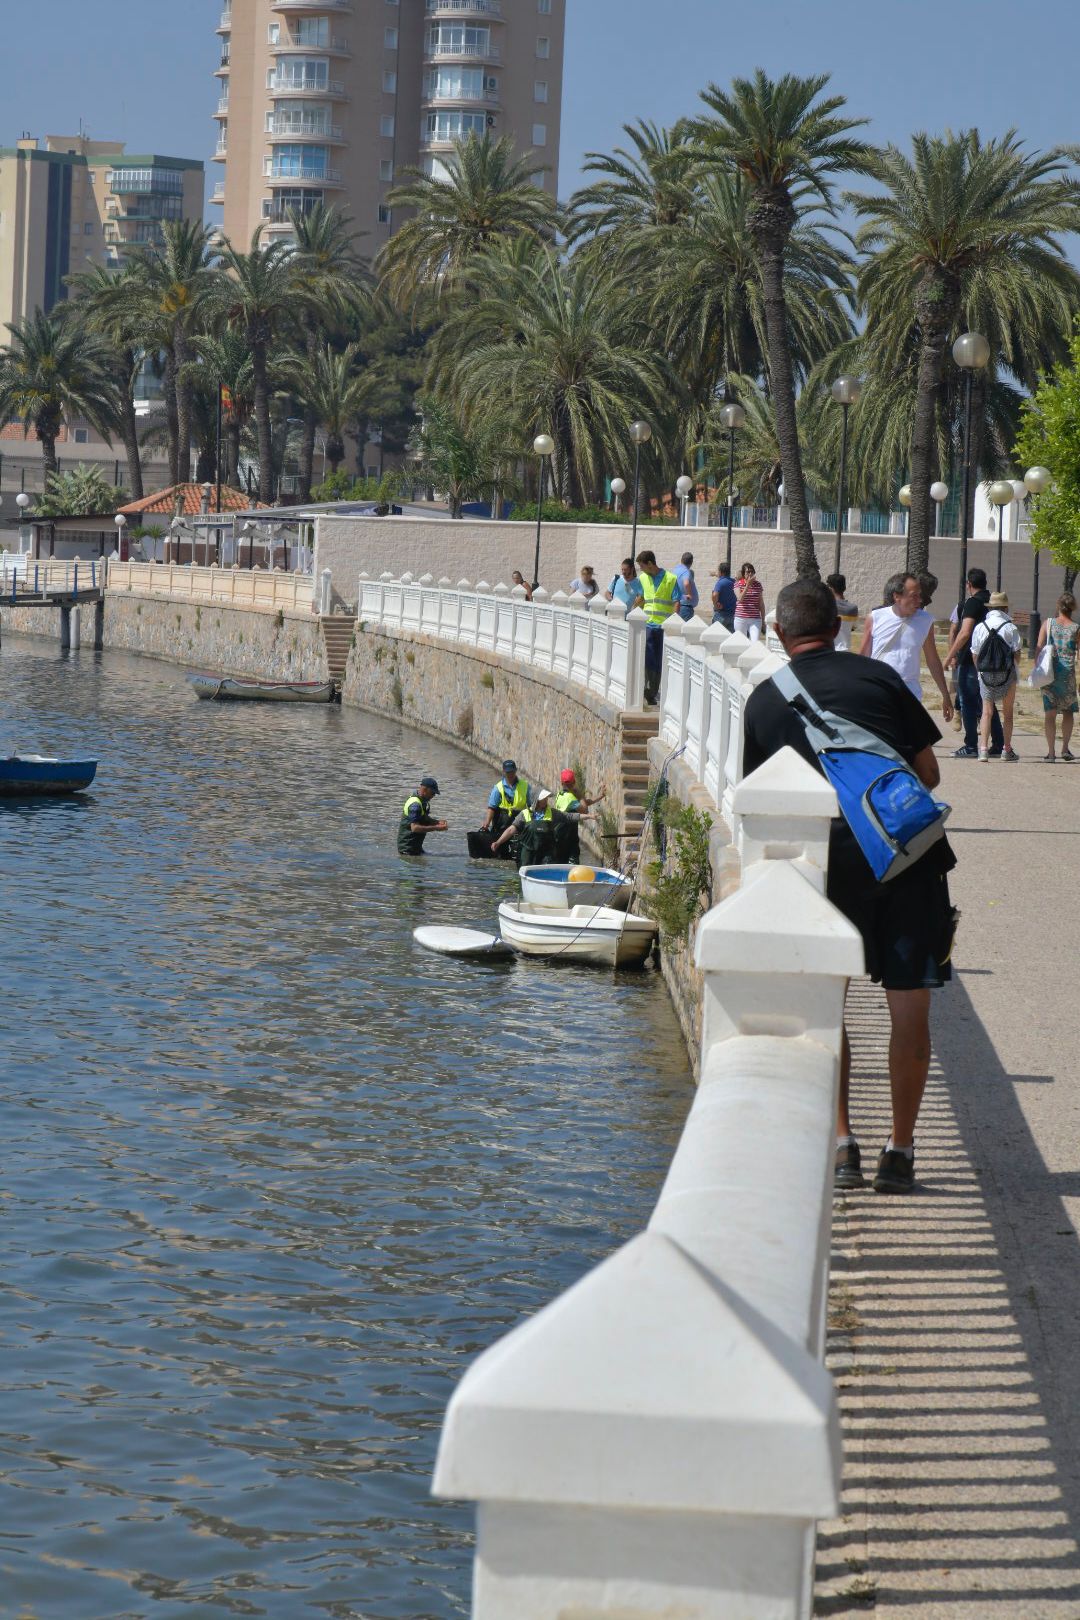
[249, 688]
[558, 887]
[32, 775]
[595, 934]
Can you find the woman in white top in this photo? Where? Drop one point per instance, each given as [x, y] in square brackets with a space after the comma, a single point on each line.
[900, 632]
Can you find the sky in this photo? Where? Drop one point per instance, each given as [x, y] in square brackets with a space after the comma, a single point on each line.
[140, 70]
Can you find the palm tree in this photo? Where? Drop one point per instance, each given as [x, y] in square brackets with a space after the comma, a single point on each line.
[223, 359]
[488, 192]
[786, 144]
[173, 283]
[105, 306]
[51, 371]
[652, 186]
[552, 345]
[334, 285]
[963, 228]
[255, 297]
[460, 458]
[332, 391]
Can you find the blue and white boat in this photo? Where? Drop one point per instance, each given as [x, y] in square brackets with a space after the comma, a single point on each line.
[29, 775]
[559, 887]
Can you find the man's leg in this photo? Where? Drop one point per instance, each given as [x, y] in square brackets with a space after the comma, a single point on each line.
[970, 704]
[909, 1059]
[843, 1117]
[997, 733]
[654, 652]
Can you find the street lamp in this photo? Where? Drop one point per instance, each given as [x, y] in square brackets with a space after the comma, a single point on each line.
[971, 351]
[733, 417]
[641, 433]
[22, 501]
[121, 524]
[939, 494]
[544, 447]
[904, 497]
[1037, 481]
[1001, 494]
[845, 391]
[618, 487]
[683, 484]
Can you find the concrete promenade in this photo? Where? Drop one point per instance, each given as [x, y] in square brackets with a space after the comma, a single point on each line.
[955, 1323]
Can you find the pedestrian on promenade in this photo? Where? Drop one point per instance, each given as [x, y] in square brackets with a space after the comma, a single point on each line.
[661, 596]
[417, 820]
[848, 611]
[724, 600]
[585, 584]
[906, 923]
[1060, 696]
[749, 602]
[517, 578]
[900, 633]
[995, 647]
[969, 613]
[625, 587]
[684, 573]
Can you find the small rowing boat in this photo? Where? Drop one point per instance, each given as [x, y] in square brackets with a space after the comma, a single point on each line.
[32, 775]
[468, 942]
[559, 887]
[248, 688]
[595, 934]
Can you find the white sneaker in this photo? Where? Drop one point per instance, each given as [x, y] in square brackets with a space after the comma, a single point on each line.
[984, 757]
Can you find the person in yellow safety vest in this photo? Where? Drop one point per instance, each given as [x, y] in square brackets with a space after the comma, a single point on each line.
[417, 820]
[569, 802]
[662, 596]
[538, 829]
[510, 795]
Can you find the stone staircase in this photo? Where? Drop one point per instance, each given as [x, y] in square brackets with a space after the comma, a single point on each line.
[637, 729]
[337, 630]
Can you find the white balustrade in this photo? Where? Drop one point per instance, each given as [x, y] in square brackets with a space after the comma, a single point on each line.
[411, 603]
[242, 586]
[599, 646]
[504, 621]
[430, 605]
[673, 683]
[543, 621]
[564, 634]
[618, 635]
[737, 690]
[469, 623]
[524, 626]
[580, 635]
[699, 649]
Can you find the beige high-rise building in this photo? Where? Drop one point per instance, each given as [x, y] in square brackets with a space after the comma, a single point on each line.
[68, 203]
[328, 100]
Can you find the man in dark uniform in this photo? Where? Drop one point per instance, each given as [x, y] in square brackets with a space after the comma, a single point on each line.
[907, 923]
[416, 820]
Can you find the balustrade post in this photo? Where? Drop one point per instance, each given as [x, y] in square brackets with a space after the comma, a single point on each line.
[637, 624]
[673, 682]
[783, 811]
[735, 648]
[599, 646]
[579, 638]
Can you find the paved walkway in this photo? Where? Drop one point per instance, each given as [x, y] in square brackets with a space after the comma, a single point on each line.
[955, 1329]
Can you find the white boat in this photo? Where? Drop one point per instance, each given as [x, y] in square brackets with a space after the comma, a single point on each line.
[240, 688]
[579, 934]
[551, 886]
[467, 942]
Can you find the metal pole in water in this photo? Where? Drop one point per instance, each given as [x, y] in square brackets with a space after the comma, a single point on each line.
[75, 634]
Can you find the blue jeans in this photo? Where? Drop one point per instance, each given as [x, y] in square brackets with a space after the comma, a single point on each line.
[686, 611]
[654, 658]
[967, 686]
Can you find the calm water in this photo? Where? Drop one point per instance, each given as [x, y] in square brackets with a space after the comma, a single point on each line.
[272, 1176]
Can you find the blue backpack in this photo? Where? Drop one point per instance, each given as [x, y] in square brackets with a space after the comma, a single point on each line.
[894, 818]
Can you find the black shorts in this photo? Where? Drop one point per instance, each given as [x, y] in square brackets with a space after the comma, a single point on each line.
[907, 926]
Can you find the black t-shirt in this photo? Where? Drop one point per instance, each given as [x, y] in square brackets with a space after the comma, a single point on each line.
[856, 688]
[973, 607]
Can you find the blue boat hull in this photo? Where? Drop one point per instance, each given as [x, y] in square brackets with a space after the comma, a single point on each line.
[22, 777]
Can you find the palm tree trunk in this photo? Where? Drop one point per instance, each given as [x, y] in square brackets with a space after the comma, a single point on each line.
[47, 438]
[171, 420]
[129, 430]
[232, 457]
[262, 423]
[782, 387]
[934, 310]
[184, 390]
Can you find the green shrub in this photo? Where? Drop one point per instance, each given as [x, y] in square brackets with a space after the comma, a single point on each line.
[556, 512]
[487, 681]
[681, 876]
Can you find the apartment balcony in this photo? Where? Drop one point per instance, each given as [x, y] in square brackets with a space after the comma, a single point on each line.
[222, 108]
[218, 193]
[145, 182]
[295, 47]
[330, 134]
[488, 99]
[225, 24]
[324, 90]
[461, 53]
[464, 8]
[304, 8]
[328, 178]
[222, 72]
[220, 152]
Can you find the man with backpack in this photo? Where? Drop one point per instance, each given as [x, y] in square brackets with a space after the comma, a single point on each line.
[905, 916]
[995, 647]
[970, 613]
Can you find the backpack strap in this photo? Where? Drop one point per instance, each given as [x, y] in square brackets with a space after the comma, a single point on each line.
[827, 732]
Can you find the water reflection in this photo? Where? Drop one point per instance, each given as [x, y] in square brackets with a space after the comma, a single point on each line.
[272, 1174]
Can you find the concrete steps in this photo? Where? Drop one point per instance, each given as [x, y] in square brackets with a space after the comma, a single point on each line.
[637, 729]
[337, 631]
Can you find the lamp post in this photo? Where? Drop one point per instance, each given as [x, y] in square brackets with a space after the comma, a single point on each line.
[544, 447]
[1036, 481]
[22, 501]
[845, 391]
[971, 352]
[939, 494]
[641, 433]
[683, 484]
[121, 524]
[733, 417]
[904, 497]
[1001, 494]
[618, 487]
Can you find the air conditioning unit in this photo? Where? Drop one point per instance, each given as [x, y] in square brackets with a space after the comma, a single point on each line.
[491, 120]
[491, 84]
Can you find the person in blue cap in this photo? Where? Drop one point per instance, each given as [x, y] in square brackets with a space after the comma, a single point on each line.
[508, 798]
[416, 819]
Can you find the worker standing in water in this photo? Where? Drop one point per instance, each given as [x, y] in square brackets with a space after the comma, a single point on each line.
[571, 803]
[417, 820]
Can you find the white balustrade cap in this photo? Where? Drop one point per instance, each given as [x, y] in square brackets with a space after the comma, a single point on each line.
[519, 593]
[540, 595]
[597, 604]
[734, 647]
[445, 584]
[673, 625]
[786, 785]
[501, 589]
[779, 924]
[427, 579]
[463, 584]
[577, 600]
[649, 1385]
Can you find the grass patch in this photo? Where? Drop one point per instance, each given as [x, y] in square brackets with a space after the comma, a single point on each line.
[487, 681]
[397, 695]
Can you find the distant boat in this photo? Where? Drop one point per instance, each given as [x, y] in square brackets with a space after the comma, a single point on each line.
[26, 775]
[580, 934]
[240, 688]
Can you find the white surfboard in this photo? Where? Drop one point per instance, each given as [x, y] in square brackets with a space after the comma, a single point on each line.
[461, 942]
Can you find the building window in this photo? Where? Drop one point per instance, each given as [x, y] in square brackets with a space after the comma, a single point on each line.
[386, 125]
[540, 92]
[456, 39]
[300, 73]
[539, 135]
[384, 214]
[82, 436]
[295, 162]
[457, 84]
[543, 46]
[273, 34]
[453, 126]
[390, 38]
[386, 168]
[312, 31]
[278, 209]
[543, 6]
[88, 230]
[389, 82]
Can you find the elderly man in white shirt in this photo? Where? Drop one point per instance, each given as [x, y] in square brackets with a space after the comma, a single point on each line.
[900, 633]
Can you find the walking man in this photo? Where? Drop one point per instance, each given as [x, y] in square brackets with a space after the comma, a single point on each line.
[907, 923]
[899, 633]
[684, 573]
[662, 596]
[417, 820]
[970, 613]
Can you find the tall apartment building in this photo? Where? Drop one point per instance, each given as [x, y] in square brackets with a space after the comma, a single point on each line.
[328, 100]
[70, 202]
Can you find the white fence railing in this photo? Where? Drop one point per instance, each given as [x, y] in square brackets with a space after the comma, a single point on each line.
[596, 645]
[237, 586]
[48, 576]
[661, 1439]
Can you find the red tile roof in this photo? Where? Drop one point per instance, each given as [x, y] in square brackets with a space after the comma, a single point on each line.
[189, 499]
